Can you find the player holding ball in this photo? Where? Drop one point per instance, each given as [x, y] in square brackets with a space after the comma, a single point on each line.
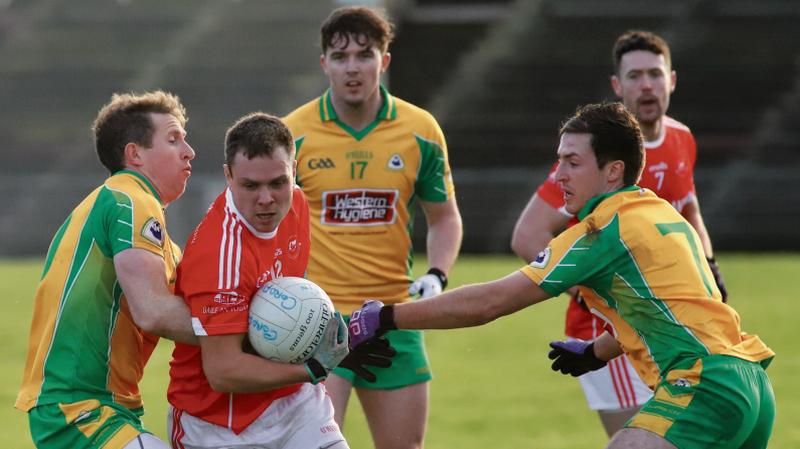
[222, 395]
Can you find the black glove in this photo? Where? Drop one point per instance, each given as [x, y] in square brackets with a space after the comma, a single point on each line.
[375, 352]
[574, 357]
[718, 278]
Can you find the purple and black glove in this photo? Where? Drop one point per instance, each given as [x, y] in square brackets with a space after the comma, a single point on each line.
[718, 278]
[373, 319]
[574, 357]
[373, 353]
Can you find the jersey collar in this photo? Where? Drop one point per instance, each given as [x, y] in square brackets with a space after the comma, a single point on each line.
[593, 202]
[388, 111]
[142, 181]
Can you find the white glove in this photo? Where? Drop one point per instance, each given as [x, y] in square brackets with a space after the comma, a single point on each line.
[331, 351]
[426, 286]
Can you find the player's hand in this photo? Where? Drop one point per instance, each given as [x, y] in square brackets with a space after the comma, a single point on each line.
[331, 350]
[373, 319]
[718, 278]
[574, 357]
[375, 352]
[431, 284]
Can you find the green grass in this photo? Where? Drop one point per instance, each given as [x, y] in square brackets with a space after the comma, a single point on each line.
[492, 386]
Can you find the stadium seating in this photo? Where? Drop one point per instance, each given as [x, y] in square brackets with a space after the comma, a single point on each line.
[499, 75]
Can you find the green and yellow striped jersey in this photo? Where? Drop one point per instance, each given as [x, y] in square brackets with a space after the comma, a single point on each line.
[83, 342]
[641, 266]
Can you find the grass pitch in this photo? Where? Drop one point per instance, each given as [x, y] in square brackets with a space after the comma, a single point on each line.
[493, 385]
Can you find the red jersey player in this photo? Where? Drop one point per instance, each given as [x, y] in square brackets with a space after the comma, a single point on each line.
[255, 231]
[644, 80]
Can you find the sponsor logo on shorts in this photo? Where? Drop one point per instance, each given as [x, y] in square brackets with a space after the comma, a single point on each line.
[359, 207]
[541, 259]
[322, 162]
[329, 429]
[153, 232]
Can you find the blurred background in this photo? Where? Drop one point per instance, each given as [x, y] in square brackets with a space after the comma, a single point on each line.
[499, 76]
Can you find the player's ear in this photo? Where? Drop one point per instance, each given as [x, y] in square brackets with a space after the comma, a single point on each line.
[132, 155]
[674, 78]
[228, 173]
[323, 63]
[294, 168]
[615, 84]
[615, 171]
[385, 60]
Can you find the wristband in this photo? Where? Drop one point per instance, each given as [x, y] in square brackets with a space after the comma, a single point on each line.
[439, 274]
[316, 371]
[386, 318]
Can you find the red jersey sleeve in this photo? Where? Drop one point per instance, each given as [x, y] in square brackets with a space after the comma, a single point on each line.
[549, 191]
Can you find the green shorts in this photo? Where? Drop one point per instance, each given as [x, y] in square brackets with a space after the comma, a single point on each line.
[89, 424]
[410, 366]
[717, 402]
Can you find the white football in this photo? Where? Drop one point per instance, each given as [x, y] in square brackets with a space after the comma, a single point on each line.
[288, 317]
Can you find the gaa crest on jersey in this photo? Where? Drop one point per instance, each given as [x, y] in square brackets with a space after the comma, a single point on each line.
[541, 259]
[395, 162]
[359, 207]
[293, 247]
[153, 232]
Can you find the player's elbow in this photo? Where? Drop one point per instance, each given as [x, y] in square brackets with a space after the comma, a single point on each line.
[220, 378]
[518, 245]
[149, 322]
[490, 311]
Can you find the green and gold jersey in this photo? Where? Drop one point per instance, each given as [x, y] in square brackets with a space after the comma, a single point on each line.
[83, 342]
[362, 187]
[641, 266]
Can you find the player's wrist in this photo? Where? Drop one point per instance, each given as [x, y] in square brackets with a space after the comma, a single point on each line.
[595, 362]
[316, 371]
[440, 275]
[386, 318]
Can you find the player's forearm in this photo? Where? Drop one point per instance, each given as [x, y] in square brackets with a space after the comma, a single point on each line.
[444, 241]
[471, 305]
[245, 373]
[691, 212]
[606, 347]
[172, 320]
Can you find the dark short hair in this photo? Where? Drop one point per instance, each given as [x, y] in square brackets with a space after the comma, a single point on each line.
[357, 22]
[615, 136]
[126, 119]
[257, 134]
[639, 40]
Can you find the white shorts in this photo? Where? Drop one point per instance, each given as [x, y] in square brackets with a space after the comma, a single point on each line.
[614, 387]
[303, 420]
